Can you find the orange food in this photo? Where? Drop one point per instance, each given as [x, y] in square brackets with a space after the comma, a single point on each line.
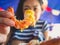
[22, 24]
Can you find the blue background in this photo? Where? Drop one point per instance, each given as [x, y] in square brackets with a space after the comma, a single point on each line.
[54, 4]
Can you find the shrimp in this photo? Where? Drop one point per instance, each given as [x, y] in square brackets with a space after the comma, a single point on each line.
[26, 22]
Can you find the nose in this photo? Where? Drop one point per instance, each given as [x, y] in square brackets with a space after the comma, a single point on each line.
[31, 8]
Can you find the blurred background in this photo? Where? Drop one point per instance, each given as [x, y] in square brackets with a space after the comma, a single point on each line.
[51, 14]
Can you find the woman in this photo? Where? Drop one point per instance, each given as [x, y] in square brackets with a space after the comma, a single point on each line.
[27, 35]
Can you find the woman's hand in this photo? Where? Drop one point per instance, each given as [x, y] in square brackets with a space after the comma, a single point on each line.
[34, 42]
[5, 23]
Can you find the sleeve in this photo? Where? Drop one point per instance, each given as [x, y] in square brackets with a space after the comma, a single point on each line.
[45, 27]
[39, 34]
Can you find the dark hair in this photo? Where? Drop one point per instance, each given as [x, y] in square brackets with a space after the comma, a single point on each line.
[19, 12]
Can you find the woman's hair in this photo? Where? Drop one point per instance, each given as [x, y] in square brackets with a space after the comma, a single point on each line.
[19, 12]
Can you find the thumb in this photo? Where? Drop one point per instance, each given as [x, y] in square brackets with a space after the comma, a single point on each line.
[10, 9]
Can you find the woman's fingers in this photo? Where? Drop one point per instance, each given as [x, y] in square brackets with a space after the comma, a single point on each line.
[3, 38]
[7, 21]
[6, 14]
[10, 9]
[4, 29]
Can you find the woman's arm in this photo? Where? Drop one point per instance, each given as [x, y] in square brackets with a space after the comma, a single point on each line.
[45, 31]
[46, 35]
